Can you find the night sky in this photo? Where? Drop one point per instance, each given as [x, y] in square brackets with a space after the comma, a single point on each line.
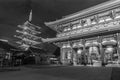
[15, 12]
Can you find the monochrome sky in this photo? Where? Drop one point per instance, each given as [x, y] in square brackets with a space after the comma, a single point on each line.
[15, 12]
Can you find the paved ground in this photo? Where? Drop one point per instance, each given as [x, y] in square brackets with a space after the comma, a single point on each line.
[6, 69]
[58, 73]
[28, 74]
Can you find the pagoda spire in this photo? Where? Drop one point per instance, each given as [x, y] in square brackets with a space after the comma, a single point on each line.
[30, 16]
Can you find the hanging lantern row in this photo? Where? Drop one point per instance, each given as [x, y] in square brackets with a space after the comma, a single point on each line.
[110, 42]
[89, 44]
[78, 44]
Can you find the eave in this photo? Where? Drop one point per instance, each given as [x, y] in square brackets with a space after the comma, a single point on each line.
[85, 13]
[89, 33]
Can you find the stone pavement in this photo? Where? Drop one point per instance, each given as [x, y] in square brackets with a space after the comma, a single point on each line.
[5, 69]
[51, 72]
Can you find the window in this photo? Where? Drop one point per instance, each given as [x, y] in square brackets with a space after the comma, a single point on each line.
[93, 20]
[109, 16]
[84, 22]
[101, 20]
[75, 24]
[117, 13]
[88, 21]
[79, 26]
[74, 27]
[106, 16]
[65, 29]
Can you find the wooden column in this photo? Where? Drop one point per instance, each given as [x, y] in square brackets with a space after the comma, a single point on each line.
[73, 53]
[37, 59]
[118, 45]
[101, 49]
[61, 54]
[85, 51]
[60, 45]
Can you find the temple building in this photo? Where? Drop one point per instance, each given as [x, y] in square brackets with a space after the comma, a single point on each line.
[90, 36]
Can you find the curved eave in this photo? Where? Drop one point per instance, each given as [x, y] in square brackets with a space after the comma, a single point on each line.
[86, 12]
[51, 40]
[51, 26]
[27, 22]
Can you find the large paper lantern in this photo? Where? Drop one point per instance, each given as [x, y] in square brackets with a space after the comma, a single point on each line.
[109, 42]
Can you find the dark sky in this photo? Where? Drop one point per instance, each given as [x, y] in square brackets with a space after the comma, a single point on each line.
[14, 12]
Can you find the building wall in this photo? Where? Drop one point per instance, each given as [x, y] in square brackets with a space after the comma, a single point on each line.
[101, 26]
[98, 21]
[99, 30]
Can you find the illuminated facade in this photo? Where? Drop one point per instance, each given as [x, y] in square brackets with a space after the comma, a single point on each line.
[28, 34]
[89, 37]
